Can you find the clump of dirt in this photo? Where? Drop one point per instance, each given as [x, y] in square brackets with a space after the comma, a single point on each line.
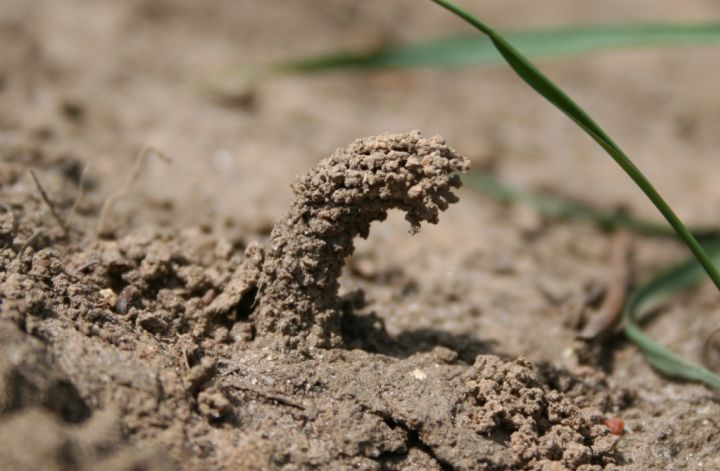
[368, 411]
[335, 203]
[511, 401]
[139, 352]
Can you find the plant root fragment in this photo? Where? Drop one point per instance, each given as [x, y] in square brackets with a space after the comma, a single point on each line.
[334, 203]
[605, 320]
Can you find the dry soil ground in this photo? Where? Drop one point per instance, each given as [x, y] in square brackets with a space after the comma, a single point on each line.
[137, 348]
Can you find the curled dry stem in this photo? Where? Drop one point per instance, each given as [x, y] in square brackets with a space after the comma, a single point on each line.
[334, 203]
[604, 321]
[140, 162]
[80, 194]
[50, 205]
[710, 348]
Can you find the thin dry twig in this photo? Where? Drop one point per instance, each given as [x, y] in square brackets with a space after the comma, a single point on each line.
[707, 350]
[186, 357]
[87, 265]
[28, 242]
[604, 320]
[140, 162]
[273, 396]
[50, 205]
[81, 193]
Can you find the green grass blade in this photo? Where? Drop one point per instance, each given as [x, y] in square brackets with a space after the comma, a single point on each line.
[645, 298]
[563, 208]
[545, 87]
[648, 297]
[463, 51]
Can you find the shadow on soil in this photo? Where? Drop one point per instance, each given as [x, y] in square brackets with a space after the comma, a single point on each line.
[367, 332]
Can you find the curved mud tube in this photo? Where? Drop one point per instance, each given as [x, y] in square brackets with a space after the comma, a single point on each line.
[298, 304]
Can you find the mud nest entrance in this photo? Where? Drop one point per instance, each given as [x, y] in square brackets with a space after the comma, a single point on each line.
[298, 302]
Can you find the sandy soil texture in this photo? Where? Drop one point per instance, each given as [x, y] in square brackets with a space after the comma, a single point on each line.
[246, 296]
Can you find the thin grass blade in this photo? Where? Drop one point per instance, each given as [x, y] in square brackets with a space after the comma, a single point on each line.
[644, 299]
[650, 296]
[551, 92]
[658, 356]
[567, 209]
[465, 50]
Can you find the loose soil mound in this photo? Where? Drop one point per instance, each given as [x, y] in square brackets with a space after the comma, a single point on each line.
[150, 339]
